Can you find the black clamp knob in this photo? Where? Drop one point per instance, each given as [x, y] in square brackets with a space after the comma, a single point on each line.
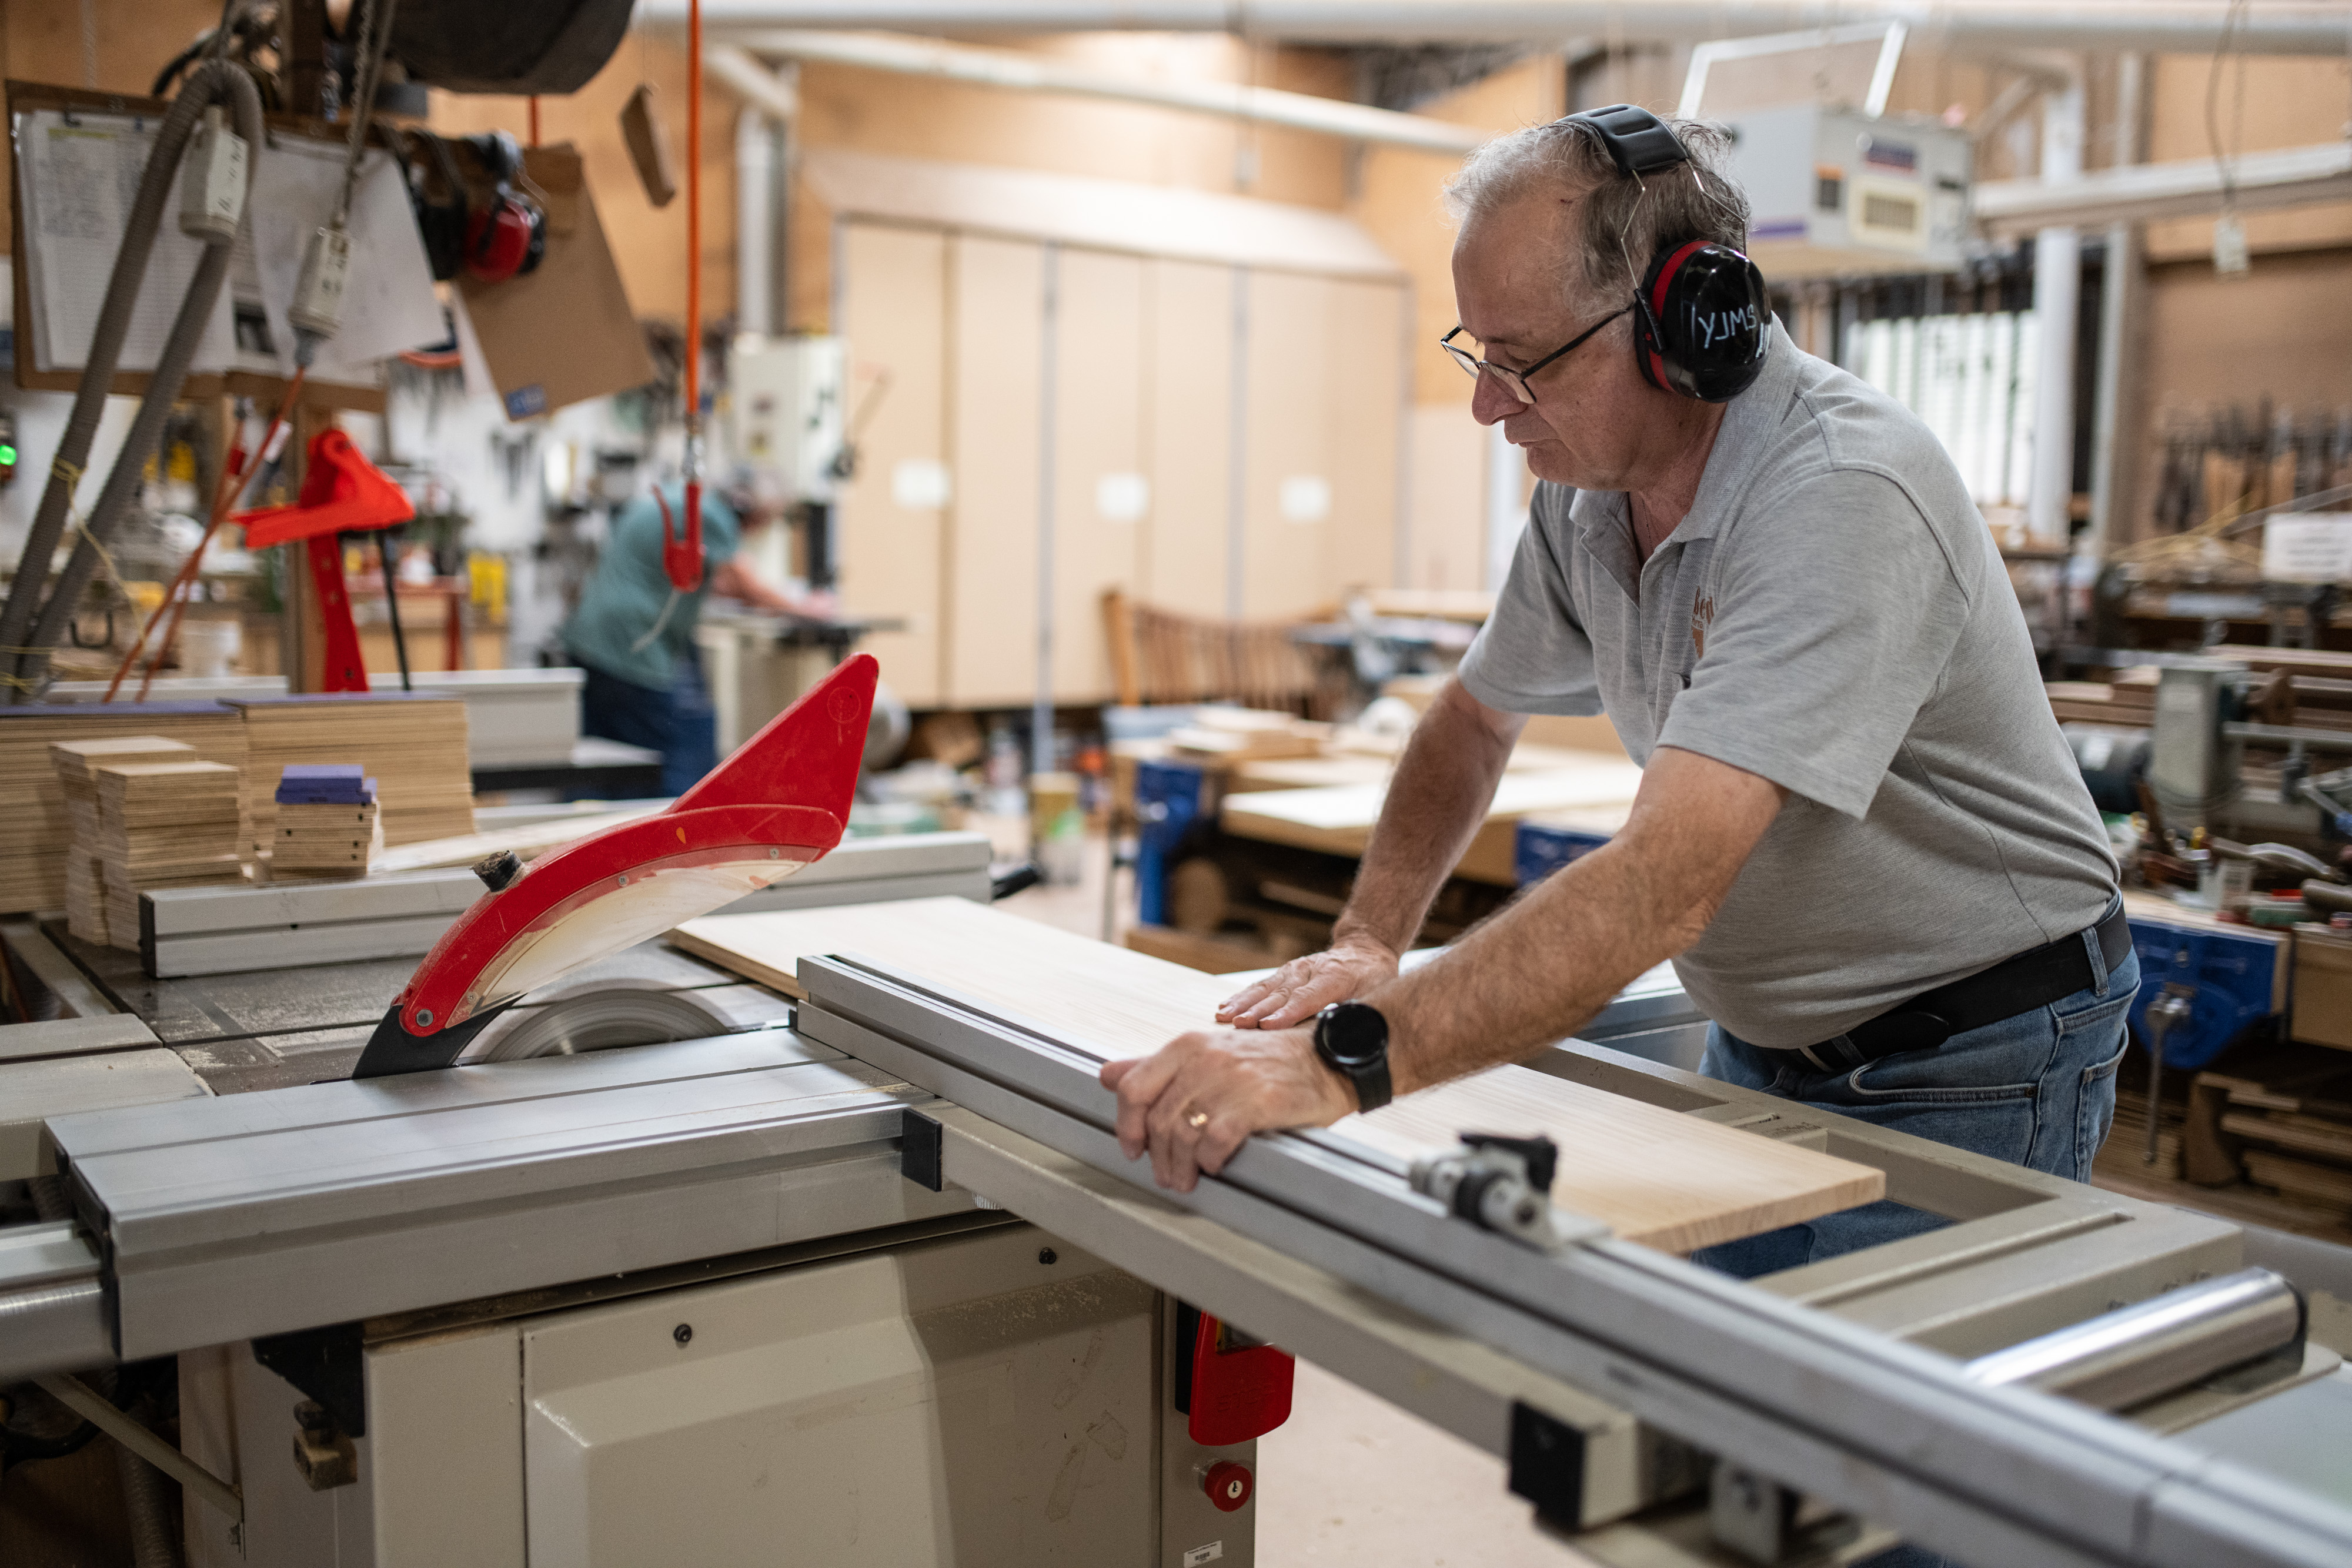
[498, 872]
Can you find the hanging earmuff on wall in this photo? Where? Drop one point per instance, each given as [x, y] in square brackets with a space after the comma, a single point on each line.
[1702, 322]
[508, 235]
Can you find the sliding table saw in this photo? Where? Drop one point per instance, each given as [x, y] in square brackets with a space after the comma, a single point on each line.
[869, 1282]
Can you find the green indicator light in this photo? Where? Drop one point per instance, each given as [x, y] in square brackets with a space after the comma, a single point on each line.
[7, 454]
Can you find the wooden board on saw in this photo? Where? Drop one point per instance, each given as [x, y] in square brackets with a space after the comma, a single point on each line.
[1338, 819]
[1651, 1175]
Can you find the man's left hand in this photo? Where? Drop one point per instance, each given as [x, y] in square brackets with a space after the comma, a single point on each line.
[1198, 1098]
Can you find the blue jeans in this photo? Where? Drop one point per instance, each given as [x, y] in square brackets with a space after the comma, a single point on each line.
[678, 722]
[2037, 1089]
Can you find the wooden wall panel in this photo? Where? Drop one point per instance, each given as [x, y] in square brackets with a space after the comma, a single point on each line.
[997, 294]
[1099, 365]
[1189, 399]
[1288, 444]
[893, 306]
[1366, 413]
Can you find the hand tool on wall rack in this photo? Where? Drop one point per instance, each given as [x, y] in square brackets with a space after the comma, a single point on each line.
[779, 804]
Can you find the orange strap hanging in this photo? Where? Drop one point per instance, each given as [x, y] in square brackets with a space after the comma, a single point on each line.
[682, 558]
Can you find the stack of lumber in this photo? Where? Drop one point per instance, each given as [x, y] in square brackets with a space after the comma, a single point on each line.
[36, 829]
[1654, 1176]
[1236, 734]
[327, 824]
[165, 824]
[73, 761]
[2285, 1125]
[2129, 699]
[412, 744]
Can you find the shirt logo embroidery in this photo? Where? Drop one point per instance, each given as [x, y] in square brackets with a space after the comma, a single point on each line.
[1702, 617]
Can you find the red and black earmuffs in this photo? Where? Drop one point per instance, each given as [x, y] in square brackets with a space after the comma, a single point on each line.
[1701, 320]
[508, 236]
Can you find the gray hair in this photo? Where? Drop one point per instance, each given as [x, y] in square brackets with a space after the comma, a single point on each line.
[1625, 221]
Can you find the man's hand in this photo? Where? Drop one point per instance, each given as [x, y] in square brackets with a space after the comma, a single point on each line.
[1304, 987]
[1198, 1098]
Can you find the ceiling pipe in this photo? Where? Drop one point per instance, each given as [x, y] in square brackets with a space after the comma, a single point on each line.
[1965, 26]
[2191, 188]
[751, 81]
[1030, 73]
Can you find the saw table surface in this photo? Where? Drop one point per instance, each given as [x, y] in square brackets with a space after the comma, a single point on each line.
[1651, 1175]
[268, 1028]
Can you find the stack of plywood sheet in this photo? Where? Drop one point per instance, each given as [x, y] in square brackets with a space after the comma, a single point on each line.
[165, 824]
[36, 829]
[1654, 1176]
[327, 824]
[412, 744]
[73, 761]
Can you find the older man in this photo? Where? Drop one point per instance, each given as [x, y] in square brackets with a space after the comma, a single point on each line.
[1859, 833]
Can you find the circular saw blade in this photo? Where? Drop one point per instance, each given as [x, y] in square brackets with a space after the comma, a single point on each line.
[598, 1020]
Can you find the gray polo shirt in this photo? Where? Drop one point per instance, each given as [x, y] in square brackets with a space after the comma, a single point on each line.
[1831, 615]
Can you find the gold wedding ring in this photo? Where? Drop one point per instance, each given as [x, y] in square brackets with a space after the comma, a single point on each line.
[1198, 1119]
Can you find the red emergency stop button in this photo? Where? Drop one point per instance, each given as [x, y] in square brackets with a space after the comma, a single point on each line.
[1228, 1485]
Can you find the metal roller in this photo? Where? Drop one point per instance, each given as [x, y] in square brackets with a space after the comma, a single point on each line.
[52, 1306]
[2134, 1353]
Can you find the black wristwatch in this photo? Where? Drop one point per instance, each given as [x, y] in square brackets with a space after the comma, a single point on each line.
[1352, 1039]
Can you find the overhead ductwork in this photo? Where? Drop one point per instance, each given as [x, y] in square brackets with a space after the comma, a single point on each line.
[1029, 73]
[2156, 27]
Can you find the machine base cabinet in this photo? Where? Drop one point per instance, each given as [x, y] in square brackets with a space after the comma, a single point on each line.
[997, 1397]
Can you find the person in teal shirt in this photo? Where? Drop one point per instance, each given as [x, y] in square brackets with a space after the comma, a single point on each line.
[633, 633]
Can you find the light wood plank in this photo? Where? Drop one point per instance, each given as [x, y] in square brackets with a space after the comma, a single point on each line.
[1655, 1176]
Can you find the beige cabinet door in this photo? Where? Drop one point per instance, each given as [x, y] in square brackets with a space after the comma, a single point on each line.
[1102, 491]
[997, 293]
[890, 524]
[1366, 323]
[1287, 453]
[1189, 397]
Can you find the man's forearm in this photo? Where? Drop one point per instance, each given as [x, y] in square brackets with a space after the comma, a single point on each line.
[1436, 802]
[1549, 963]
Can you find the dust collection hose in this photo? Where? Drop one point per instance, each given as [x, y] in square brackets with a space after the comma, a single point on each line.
[24, 659]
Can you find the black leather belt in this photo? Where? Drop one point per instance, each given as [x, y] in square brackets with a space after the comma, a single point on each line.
[2030, 979]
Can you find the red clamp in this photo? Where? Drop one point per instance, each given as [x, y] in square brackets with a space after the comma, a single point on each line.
[342, 493]
[1229, 1387]
[682, 551]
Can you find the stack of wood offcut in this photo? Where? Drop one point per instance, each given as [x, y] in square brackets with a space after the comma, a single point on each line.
[74, 761]
[327, 824]
[1239, 734]
[165, 824]
[412, 744]
[2284, 1124]
[35, 831]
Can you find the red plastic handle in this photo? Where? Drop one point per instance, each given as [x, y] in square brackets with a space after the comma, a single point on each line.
[682, 553]
[1236, 1395]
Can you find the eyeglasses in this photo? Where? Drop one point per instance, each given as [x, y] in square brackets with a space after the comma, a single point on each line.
[1516, 381]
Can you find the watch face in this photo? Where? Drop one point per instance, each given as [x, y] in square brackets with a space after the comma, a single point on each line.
[1354, 1031]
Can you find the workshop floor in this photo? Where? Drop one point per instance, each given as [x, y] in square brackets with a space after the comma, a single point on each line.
[1349, 1479]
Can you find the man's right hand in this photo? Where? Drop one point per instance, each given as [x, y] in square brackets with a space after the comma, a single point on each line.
[1304, 987]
